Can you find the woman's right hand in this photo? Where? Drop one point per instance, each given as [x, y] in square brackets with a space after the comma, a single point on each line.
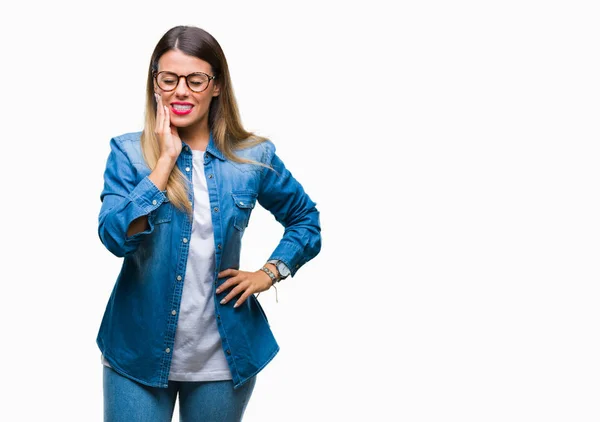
[168, 138]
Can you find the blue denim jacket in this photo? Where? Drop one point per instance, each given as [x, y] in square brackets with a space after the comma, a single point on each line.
[137, 332]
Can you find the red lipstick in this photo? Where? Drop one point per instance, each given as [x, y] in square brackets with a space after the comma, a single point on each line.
[180, 108]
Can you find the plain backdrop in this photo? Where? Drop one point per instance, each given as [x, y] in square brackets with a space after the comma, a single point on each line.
[452, 149]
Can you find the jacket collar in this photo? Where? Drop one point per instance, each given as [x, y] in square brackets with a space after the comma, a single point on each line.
[212, 148]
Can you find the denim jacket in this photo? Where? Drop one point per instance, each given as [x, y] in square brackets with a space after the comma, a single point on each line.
[137, 332]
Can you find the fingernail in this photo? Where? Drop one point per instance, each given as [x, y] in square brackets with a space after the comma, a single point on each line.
[218, 290]
[222, 302]
[236, 305]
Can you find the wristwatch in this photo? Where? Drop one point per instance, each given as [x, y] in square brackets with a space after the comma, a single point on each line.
[283, 270]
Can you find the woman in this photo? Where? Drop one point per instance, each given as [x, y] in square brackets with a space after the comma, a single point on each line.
[177, 197]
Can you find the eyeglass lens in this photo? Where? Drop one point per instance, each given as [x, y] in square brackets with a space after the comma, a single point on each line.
[168, 81]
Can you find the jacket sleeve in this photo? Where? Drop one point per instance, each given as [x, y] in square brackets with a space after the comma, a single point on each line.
[282, 195]
[123, 200]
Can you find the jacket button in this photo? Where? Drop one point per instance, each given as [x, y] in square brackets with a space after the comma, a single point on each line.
[210, 176]
[184, 240]
[228, 351]
[216, 209]
[154, 202]
[178, 278]
[219, 246]
[168, 350]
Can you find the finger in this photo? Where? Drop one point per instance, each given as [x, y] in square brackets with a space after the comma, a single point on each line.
[231, 281]
[243, 297]
[234, 292]
[166, 121]
[228, 271]
[159, 114]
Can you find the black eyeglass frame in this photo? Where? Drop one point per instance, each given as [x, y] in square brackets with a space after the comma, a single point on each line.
[187, 82]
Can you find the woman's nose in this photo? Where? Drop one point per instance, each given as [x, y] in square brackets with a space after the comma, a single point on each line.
[182, 88]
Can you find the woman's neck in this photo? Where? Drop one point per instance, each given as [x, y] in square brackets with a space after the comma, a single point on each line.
[196, 137]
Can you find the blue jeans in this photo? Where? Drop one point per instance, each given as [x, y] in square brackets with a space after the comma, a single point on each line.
[210, 401]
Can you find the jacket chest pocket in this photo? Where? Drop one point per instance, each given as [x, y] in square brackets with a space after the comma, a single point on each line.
[244, 202]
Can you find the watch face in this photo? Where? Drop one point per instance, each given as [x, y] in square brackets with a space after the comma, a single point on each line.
[283, 270]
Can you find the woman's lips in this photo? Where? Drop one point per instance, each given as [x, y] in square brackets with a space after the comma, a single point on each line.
[181, 109]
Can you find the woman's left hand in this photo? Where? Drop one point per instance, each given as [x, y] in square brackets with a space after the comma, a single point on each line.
[245, 282]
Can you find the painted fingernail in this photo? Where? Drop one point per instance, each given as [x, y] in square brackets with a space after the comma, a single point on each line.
[222, 302]
[236, 305]
[218, 290]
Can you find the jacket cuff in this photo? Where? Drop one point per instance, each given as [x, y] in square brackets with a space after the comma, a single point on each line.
[290, 254]
[147, 196]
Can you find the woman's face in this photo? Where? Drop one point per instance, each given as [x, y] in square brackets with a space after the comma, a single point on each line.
[187, 109]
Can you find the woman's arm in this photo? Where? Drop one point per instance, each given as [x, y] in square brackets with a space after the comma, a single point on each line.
[126, 203]
[160, 177]
[285, 198]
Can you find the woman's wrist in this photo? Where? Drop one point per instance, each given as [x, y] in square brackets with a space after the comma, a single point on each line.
[271, 272]
[274, 270]
[166, 162]
[160, 174]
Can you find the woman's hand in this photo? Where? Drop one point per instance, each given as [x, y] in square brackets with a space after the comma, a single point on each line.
[168, 138]
[245, 282]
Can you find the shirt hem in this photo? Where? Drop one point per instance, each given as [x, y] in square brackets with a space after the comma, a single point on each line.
[239, 384]
[211, 376]
[113, 366]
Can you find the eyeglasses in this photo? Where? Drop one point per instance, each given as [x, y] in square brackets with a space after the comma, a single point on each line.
[197, 82]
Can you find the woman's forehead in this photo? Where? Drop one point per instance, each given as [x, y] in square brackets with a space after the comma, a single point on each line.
[182, 64]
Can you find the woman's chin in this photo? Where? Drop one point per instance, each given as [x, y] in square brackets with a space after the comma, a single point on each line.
[183, 121]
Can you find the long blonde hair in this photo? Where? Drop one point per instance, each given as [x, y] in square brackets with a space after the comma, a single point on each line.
[223, 116]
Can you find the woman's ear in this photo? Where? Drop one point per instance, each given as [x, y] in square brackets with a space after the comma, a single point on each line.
[217, 89]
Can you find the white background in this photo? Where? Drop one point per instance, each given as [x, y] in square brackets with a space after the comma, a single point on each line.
[451, 147]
